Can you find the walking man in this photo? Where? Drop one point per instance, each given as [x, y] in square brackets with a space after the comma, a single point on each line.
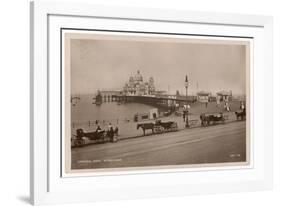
[186, 120]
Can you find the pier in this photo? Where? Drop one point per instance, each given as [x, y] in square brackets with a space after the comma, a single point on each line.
[166, 101]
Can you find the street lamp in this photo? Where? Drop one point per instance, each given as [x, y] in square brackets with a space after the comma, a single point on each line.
[186, 89]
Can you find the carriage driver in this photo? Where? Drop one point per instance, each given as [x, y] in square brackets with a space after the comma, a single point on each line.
[98, 129]
[110, 132]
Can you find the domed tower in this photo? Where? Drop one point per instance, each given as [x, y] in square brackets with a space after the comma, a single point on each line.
[151, 87]
[146, 86]
[131, 80]
[138, 77]
[131, 85]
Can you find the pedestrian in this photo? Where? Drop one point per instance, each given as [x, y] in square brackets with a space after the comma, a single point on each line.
[242, 107]
[116, 131]
[110, 126]
[227, 107]
[186, 119]
[183, 115]
[111, 134]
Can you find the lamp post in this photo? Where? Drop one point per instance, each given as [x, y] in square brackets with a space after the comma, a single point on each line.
[186, 89]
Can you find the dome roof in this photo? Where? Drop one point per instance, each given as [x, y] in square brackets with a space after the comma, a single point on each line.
[138, 76]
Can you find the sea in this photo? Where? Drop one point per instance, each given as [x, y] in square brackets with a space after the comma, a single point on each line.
[84, 111]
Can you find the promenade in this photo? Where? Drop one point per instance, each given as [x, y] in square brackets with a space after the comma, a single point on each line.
[128, 129]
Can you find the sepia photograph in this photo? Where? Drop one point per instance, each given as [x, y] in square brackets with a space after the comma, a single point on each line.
[135, 101]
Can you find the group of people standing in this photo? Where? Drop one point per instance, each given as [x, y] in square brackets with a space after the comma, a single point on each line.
[110, 132]
[226, 108]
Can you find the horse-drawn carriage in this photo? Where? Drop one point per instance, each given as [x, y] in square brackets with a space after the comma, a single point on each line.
[240, 114]
[158, 126]
[208, 119]
[102, 136]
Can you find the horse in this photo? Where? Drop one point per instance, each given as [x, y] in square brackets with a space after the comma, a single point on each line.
[240, 113]
[146, 126]
[205, 120]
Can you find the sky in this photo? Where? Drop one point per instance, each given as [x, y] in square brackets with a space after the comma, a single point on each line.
[101, 64]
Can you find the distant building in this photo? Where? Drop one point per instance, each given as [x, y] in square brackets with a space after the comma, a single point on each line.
[136, 86]
[153, 113]
[224, 96]
[203, 96]
[150, 115]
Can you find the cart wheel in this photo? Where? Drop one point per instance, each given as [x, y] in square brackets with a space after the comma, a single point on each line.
[158, 129]
[205, 123]
[79, 143]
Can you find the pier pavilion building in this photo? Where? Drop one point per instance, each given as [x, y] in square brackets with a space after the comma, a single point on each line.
[137, 86]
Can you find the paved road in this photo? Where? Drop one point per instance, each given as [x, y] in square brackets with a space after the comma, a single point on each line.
[213, 144]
